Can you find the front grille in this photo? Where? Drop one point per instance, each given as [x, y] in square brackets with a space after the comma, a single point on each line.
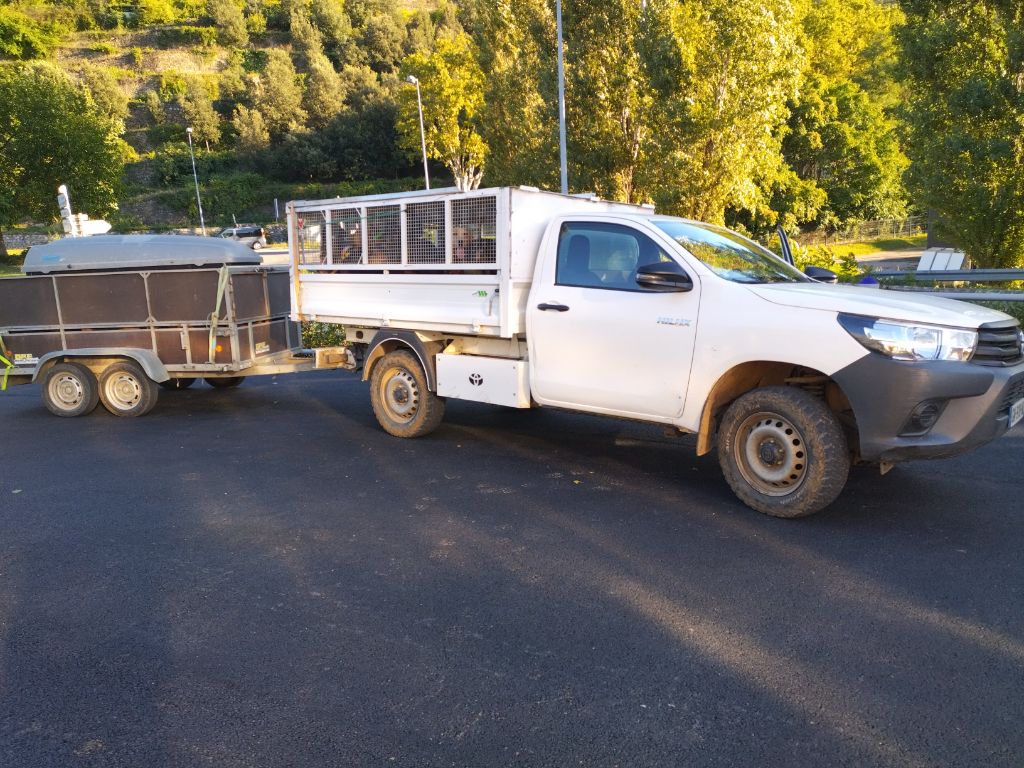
[998, 344]
[1014, 391]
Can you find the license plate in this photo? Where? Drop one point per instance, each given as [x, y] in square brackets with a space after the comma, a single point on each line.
[1016, 412]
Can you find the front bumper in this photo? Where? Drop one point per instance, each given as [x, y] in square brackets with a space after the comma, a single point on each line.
[883, 393]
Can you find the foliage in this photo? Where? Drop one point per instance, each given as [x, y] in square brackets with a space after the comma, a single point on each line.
[324, 94]
[51, 133]
[315, 334]
[200, 115]
[250, 129]
[964, 64]
[171, 37]
[150, 12]
[843, 263]
[519, 119]
[229, 21]
[452, 91]
[24, 38]
[106, 92]
[278, 96]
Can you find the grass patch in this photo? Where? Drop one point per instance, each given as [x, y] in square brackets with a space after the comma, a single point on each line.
[911, 243]
[12, 264]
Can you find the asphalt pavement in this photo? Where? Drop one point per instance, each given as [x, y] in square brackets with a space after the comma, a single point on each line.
[262, 577]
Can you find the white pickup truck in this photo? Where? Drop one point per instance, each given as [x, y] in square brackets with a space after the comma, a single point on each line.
[525, 298]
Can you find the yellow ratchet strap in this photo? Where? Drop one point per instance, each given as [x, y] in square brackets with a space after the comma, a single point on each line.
[7, 364]
[222, 284]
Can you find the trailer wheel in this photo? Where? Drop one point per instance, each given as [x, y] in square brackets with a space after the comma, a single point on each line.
[401, 401]
[783, 452]
[177, 383]
[224, 382]
[70, 389]
[126, 390]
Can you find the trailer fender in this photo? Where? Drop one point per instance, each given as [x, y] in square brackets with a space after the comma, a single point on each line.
[146, 358]
[388, 341]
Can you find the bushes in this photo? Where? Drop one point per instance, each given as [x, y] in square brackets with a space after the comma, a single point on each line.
[22, 38]
[170, 37]
[322, 335]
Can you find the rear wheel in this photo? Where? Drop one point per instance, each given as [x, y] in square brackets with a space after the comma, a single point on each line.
[224, 382]
[177, 383]
[783, 452]
[70, 389]
[127, 391]
[401, 400]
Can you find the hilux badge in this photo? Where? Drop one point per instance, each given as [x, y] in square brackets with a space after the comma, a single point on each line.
[673, 321]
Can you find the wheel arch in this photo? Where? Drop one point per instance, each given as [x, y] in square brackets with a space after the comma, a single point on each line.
[750, 375]
[146, 358]
[389, 341]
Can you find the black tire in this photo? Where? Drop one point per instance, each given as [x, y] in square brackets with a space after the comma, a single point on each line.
[70, 389]
[401, 400]
[177, 383]
[224, 383]
[783, 452]
[125, 390]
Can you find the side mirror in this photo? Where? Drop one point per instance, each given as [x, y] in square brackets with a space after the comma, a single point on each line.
[821, 274]
[667, 277]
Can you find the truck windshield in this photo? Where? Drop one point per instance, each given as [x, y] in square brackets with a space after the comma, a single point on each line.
[729, 254]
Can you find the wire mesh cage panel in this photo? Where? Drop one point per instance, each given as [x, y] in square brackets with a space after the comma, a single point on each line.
[384, 234]
[346, 241]
[310, 225]
[473, 230]
[424, 224]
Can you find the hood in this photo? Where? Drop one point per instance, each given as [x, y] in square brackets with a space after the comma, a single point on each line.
[873, 302]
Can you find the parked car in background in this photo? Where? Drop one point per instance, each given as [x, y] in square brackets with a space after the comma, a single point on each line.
[254, 237]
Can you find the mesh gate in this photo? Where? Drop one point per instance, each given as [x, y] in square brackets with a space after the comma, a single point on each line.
[473, 230]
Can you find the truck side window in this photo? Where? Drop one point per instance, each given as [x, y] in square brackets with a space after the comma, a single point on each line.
[596, 255]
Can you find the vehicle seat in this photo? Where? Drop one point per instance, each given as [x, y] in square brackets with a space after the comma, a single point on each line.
[576, 269]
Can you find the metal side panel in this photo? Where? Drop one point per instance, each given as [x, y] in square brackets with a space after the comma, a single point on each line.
[184, 296]
[496, 380]
[27, 302]
[463, 303]
[87, 299]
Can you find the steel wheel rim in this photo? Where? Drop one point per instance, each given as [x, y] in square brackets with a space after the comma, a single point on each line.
[400, 394]
[66, 391]
[123, 391]
[771, 454]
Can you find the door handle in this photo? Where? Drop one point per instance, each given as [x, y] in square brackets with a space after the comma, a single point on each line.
[557, 307]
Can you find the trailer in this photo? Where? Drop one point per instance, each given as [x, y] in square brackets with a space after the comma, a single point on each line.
[107, 319]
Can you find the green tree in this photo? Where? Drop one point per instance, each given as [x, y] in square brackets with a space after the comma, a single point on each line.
[24, 38]
[324, 94]
[250, 128]
[964, 67]
[230, 22]
[609, 99]
[106, 92]
[278, 95]
[722, 73]
[519, 118]
[51, 133]
[841, 135]
[200, 115]
[451, 82]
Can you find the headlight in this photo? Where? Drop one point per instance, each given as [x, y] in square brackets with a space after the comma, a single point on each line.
[910, 341]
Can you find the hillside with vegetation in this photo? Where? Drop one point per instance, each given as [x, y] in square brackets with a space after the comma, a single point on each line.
[806, 113]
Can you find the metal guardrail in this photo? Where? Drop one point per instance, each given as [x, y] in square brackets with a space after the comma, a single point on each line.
[956, 275]
[961, 276]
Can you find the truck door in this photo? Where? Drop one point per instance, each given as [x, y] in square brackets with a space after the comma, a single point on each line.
[601, 342]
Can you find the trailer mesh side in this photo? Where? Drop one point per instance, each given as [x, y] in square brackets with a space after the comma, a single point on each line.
[424, 225]
[473, 230]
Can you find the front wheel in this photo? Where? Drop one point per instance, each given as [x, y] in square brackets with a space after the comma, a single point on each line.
[783, 452]
[401, 400]
[70, 389]
[127, 391]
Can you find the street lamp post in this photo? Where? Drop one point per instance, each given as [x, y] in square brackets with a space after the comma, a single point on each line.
[195, 177]
[423, 136]
[561, 103]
